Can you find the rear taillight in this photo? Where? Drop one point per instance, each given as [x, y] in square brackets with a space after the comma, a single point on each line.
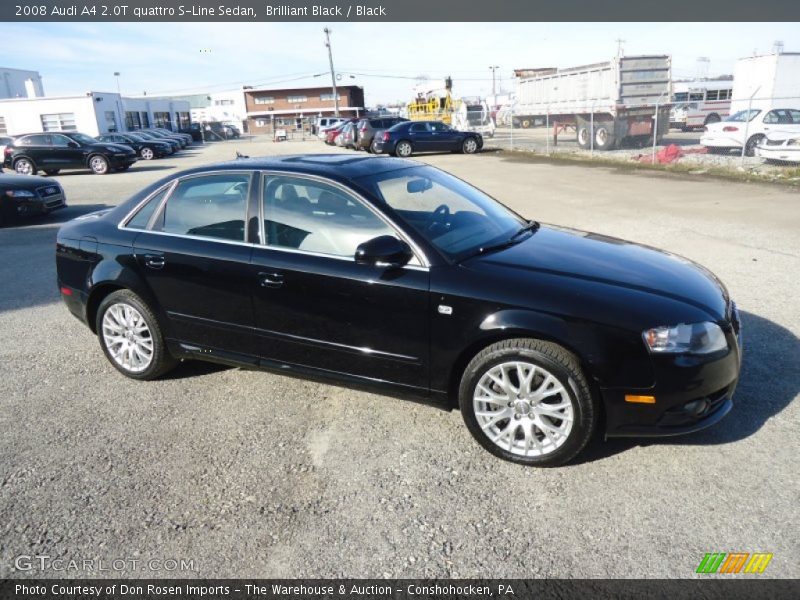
[385, 136]
[8, 150]
[730, 128]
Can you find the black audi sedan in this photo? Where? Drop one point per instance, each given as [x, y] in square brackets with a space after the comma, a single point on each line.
[394, 274]
[55, 151]
[146, 149]
[410, 137]
[28, 196]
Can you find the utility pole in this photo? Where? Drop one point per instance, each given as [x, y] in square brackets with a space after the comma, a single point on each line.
[494, 89]
[333, 73]
[620, 51]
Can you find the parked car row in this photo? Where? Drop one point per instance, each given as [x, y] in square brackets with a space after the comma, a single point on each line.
[54, 151]
[400, 137]
[772, 134]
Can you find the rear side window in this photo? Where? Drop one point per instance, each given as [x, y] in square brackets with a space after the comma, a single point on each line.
[142, 216]
[418, 127]
[34, 140]
[211, 206]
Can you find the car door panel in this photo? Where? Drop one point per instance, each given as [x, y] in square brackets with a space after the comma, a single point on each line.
[335, 315]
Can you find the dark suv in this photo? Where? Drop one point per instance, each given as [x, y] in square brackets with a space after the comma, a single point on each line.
[367, 127]
[51, 152]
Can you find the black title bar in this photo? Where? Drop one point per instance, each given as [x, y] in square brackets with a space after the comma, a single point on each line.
[399, 10]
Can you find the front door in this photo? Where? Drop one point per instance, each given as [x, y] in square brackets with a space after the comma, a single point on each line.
[196, 260]
[314, 306]
[64, 155]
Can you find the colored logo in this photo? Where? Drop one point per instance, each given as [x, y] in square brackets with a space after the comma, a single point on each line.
[734, 562]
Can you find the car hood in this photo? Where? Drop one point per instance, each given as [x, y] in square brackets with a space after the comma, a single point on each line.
[782, 136]
[611, 261]
[8, 181]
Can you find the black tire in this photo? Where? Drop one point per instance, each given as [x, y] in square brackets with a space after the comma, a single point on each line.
[52, 171]
[400, 149]
[584, 136]
[712, 118]
[564, 366]
[604, 138]
[469, 146]
[755, 140]
[373, 147]
[98, 164]
[161, 361]
[25, 166]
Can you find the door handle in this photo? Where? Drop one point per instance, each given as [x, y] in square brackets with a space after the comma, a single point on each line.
[154, 261]
[270, 280]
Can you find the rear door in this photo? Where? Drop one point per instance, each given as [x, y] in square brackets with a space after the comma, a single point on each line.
[38, 148]
[195, 256]
[421, 137]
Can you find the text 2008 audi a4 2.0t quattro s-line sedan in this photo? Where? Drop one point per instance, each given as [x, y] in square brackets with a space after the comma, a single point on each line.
[396, 274]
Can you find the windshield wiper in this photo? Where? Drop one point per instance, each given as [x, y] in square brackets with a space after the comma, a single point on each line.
[529, 227]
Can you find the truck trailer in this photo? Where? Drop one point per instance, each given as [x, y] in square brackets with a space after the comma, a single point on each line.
[624, 99]
[773, 81]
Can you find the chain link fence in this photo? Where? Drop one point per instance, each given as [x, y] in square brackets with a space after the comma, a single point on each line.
[761, 131]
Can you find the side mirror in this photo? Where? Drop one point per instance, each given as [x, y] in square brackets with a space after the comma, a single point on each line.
[73, 145]
[385, 250]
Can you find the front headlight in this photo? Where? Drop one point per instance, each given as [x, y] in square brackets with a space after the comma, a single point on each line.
[20, 194]
[696, 338]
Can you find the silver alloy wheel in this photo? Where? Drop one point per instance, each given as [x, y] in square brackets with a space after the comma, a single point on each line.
[147, 153]
[127, 337]
[523, 408]
[98, 164]
[404, 149]
[470, 146]
[23, 166]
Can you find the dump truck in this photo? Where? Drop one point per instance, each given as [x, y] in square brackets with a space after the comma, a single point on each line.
[608, 103]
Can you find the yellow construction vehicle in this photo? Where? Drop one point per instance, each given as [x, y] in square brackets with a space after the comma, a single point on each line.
[462, 114]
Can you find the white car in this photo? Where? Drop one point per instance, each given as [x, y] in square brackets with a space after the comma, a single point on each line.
[729, 134]
[780, 147]
[326, 123]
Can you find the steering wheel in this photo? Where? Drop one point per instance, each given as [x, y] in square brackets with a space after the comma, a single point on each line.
[438, 217]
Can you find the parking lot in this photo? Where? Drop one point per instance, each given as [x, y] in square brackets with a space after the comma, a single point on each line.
[254, 474]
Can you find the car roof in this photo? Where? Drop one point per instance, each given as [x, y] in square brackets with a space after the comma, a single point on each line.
[329, 165]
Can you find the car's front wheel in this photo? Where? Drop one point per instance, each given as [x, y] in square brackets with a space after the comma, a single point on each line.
[131, 338]
[527, 401]
[470, 146]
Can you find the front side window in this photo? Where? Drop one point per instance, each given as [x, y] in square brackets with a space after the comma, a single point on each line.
[213, 206]
[453, 216]
[60, 141]
[314, 216]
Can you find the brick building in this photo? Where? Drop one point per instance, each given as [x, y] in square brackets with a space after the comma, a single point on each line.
[294, 108]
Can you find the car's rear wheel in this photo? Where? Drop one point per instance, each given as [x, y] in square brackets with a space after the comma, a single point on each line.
[374, 147]
[131, 338]
[470, 146]
[98, 164]
[528, 401]
[25, 166]
[147, 153]
[755, 140]
[403, 149]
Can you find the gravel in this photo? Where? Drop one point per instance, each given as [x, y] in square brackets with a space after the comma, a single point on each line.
[254, 474]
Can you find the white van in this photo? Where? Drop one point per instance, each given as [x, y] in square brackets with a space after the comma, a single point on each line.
[324, 123]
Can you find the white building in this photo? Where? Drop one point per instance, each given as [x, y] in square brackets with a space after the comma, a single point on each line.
[18, 83]
[224, 107]
[92, 113]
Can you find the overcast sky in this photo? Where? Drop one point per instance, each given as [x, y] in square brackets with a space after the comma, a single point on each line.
[385, 58]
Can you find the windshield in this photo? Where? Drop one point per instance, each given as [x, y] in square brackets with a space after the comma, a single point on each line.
[83, 139]
[742, 115]
[455, 217]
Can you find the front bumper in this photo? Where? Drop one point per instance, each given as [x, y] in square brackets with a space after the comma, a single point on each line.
[691, 393]
[29, 207]
[779, 153]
